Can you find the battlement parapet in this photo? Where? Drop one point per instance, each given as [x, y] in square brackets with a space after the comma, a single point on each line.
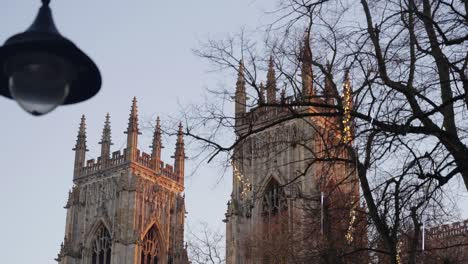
[131, 154]
[93, 166]
[262, 115]
[449, 230]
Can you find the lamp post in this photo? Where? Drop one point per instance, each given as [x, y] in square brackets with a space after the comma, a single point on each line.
[40, 69]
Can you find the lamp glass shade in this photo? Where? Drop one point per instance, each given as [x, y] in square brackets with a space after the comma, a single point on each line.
[41, 69]
[39, 82]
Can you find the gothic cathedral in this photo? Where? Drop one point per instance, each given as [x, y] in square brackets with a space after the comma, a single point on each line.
[125, 208]
[295, 191]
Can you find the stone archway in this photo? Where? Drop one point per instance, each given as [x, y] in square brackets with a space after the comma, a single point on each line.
[101, 246]
[151, 248]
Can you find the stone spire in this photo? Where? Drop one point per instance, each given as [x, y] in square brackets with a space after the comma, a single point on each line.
[106, 142]
[240, 97]
[271, 82]
[328, 87]
[261, 99]
[132, 133]
[283, 96]
[179, 155]
[80, 148]
[157, 146]
[306, 70]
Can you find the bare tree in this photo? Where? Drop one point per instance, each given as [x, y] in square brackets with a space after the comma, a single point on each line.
[401, 127]
[205, 245]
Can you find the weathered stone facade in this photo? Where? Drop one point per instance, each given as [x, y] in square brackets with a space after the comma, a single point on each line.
[125, 207]
[447, 244]
[281, 205]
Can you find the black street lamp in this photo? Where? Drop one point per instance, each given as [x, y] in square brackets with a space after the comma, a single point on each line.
[41, 69]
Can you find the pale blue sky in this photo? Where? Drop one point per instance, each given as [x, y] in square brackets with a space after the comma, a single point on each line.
[144, 49]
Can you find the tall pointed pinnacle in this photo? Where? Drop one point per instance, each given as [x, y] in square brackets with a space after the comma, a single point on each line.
[240, 84]
[328, 89]
[157, 146]
[179, 155]
[271, 82]
[132, 133]
[240, 96]
[80, 148]
[106, 142]
[283, 96]
[306, 69]
[262, 94]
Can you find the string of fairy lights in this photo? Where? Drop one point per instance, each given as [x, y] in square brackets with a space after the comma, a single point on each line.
[350, 233]
[398, 252]
[347, 135]
[245, 183]
[347, 138]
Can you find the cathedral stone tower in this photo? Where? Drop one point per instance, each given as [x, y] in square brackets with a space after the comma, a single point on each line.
[125, 207]
[294, 186]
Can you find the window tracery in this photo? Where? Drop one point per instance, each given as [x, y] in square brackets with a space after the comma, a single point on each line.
[101, 247]
[274, 200]
[150, 247]
[274, 214]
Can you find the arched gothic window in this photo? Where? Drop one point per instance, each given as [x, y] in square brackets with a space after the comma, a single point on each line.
[274, 214]
[101, 247]
[274, 200]
[150, 247]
